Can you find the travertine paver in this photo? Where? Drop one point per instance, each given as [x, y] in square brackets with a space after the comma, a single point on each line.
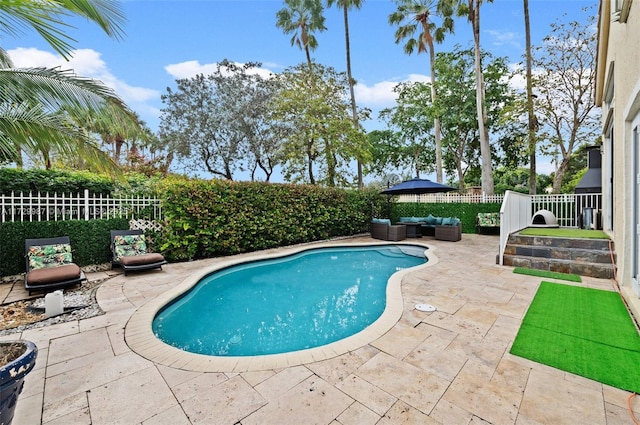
[451, 366]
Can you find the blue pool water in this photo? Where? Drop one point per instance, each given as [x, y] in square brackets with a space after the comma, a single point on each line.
[292, 303]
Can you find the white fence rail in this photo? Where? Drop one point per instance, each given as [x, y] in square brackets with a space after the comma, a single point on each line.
[79, 206]
[451, 198]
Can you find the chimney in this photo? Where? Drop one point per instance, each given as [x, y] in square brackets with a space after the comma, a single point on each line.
[591, 182]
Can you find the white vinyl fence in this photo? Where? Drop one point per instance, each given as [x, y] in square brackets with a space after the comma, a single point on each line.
[75, 206]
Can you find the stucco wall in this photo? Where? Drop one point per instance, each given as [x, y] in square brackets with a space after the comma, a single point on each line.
[623, 55]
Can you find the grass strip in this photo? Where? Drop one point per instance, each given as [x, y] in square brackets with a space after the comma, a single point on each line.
[547, 274]
[564, 232]
[585, 331]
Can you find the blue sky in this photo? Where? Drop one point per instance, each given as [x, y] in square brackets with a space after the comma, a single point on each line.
[169, 39]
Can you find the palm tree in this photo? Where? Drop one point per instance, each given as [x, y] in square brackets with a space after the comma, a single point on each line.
[533, 122]
[415, 16]
[471, 9]
[44, 110]
[302, 18]
[346, 5]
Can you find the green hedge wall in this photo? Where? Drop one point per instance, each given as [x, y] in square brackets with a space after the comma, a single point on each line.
[212, 218]
[89, 240]
[465, 212]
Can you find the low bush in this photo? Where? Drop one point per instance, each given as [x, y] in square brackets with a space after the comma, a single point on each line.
[212, 218]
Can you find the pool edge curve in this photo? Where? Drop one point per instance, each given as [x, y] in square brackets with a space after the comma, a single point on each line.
[140, 338]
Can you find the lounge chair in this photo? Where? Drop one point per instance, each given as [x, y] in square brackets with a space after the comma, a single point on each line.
[129, 251]
[49, 265]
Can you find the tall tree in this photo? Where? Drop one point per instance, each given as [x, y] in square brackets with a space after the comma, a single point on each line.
[471, 10]
[204, 123]
[565, 85]
[40, 108]
[533, 122]
[346, 5]
[320, 140]
[413, 127]
[456, 105]
[302, 18]
[416, 16]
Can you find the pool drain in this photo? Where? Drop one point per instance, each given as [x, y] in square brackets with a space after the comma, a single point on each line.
[425, 307]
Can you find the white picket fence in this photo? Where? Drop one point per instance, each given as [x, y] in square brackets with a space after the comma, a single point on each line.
[18, 207]
[451, 198]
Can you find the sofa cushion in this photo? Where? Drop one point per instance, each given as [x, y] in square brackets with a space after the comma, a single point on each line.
[382, 220]
[47, 256]
[129, 245]
[46, 275]
[141, 259]
[447, 221]
[430, 219]
[438, 221]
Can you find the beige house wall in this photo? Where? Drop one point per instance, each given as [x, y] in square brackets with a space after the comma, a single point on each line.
[618, 93]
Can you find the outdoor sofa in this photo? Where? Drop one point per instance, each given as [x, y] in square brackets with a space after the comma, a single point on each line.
[442, 228]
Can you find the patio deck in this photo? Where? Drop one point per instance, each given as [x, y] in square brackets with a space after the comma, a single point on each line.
[451, 366]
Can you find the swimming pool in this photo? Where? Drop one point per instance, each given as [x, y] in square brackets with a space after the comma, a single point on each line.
[140, 338]
[297, 302]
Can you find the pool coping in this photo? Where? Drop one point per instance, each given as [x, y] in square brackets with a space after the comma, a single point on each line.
[140, 338]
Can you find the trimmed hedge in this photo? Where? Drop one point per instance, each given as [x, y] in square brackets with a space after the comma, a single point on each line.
[213, 218]
[465, 212]
[89, 240]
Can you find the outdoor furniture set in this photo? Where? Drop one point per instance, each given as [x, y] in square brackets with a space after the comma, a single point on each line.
[49, 262]
[442, 228]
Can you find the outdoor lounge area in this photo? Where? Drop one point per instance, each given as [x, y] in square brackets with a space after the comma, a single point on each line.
[450, 366]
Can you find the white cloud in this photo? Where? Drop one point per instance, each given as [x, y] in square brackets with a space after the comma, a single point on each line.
[381, 94]
[86, 63]
[508, 38]
[192, 68]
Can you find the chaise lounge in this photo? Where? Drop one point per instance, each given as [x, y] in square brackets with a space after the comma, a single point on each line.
[49, 265]
[129, 250]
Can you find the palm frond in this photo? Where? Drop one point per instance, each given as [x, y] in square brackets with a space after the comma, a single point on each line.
[34, 130]
[54, 88]
[46, 18]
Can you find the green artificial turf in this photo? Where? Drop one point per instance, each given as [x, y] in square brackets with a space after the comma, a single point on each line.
[584, 331]
[564, 232]
[548, 275]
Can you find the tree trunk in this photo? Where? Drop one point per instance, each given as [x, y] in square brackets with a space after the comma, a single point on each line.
[436, 121]
[533, 125]
[485, 147]
[354, 110]
[559, 175]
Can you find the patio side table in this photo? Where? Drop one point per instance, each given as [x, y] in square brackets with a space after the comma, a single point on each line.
[413, 229]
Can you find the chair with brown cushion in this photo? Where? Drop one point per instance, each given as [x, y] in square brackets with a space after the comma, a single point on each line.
[49, 265]
[129, 250]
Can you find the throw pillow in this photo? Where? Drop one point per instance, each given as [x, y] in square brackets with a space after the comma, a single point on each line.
[128, 245]
[49, 256]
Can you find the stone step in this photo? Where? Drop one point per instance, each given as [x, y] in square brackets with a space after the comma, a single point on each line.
[597, 244]
[581, 255]
[584, 257]
[598, 270]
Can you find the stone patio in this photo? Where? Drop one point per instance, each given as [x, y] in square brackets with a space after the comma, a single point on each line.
[451, 366]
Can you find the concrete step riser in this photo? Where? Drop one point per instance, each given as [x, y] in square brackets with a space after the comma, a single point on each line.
[599, 270]
[580, 255]
[584, 257]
